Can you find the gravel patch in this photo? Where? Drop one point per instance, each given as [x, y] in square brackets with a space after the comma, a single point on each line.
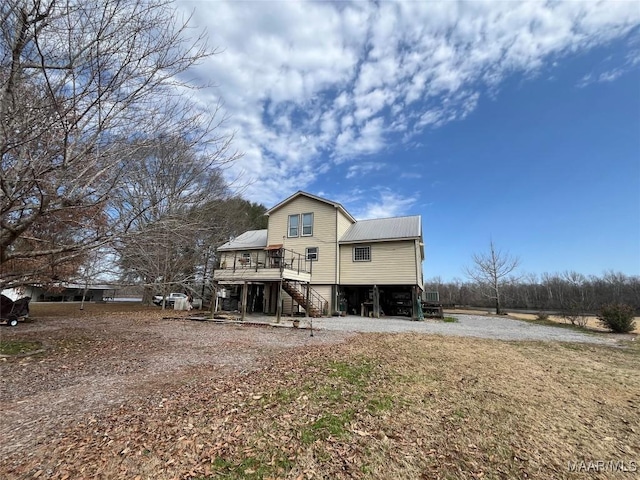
[467, 326]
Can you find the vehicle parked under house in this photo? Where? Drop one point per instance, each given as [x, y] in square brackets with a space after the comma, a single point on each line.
[315, 256]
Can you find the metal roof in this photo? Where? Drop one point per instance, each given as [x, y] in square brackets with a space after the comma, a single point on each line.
[247, 241]
[383, 229]
[80, 286]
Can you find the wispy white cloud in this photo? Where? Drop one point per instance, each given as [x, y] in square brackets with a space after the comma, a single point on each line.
[410, 175]
[311, 84]
[614, 66]
[387, 204]
[610, 76]
[606, 76]
[361, 169]
[376, 202]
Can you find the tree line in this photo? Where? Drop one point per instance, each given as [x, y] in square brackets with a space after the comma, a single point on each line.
[109, 164]
[569, 292]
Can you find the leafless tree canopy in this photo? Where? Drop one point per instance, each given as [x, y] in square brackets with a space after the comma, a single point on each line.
[491, 271]
[172, 247]
[85, 86]
[567, 293]
[167, 186]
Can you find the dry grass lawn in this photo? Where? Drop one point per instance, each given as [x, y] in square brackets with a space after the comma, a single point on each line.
[374, 406]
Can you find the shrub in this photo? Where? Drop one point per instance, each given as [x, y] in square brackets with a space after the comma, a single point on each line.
[577, 319]
[573, 312]
[542, 316]
[617, 317]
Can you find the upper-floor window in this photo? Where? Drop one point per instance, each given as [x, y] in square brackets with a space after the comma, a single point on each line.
[362, 254]
[245, 259]
[296, 230]
[294, 225]
[312, 253]
[307, 224]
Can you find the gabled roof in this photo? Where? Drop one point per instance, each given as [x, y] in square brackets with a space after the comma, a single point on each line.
[379, 229]
[253, 239]
[300, 193]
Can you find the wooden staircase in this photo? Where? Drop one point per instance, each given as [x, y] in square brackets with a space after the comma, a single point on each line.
[299, 296]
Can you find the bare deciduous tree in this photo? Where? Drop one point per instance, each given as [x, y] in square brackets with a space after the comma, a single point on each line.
[185, 210]
[576, 302]
[177, 251]
[162, 255]
[491, 271]
[552, 293]
[83, 85]
[168, 185]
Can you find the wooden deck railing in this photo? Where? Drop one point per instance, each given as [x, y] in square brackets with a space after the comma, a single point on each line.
[282, 259]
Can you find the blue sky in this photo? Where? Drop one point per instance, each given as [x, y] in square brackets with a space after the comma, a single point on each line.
[514, 121]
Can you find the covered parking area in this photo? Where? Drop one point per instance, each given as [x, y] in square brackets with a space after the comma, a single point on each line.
[380, 300]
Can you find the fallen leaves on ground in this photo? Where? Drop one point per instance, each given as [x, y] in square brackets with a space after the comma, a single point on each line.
[374, 406]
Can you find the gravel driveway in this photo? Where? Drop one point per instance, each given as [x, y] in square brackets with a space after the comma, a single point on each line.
[466, 326]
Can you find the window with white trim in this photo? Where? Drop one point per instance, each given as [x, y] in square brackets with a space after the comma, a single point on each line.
[245, 259]
[307, 224]
[294, 225]
[312, 253]
[362, 254]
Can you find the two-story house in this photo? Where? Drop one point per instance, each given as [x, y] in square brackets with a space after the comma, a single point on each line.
[315, 253]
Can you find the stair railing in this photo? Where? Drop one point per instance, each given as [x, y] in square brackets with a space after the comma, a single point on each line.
[316, 300]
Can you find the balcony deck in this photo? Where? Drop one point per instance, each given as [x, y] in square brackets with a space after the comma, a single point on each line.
[259, 273]
[269, 265]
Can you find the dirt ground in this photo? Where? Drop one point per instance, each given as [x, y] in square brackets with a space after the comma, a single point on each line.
[121, 392]
[592, 321]
[113, 354]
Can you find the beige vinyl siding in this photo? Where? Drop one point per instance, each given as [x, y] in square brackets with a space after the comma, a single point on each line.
[343, 223]
[324, 235]
[419, 264]
[392, 263]
[288, 304]
[325, 292]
